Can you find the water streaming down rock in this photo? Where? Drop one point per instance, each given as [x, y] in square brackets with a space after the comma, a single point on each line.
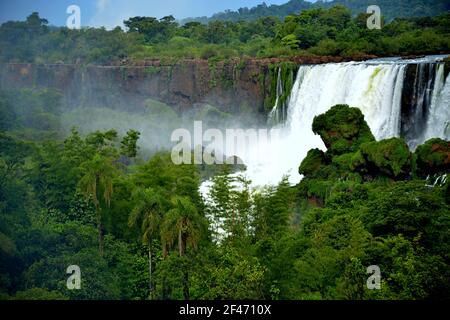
[438, 122]
[274, 115]
[376, 87]
[278, 113]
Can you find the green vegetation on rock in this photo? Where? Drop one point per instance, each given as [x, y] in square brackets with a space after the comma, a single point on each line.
[342, 129]
[390, 157]
[433, 157]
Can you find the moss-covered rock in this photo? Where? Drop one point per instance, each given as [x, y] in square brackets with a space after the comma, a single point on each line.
[315, 190]
[349, 163]
[314, 161]
[287, 72]
[342, 129]
[389, 157]
[432, 157]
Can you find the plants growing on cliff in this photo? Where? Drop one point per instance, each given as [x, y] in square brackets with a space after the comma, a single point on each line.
[151, 70]
[287, 72]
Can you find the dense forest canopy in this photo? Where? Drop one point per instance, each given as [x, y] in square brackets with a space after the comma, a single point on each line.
[317, 31]
[391, 9]
[93, 201]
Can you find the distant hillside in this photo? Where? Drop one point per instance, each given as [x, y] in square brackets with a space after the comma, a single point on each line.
[398, 8]
[390, 9]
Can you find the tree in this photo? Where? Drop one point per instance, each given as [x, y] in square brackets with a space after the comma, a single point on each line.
[183, 224]
[290, 41]
[97, 185]
[147, 211]
[128, 144]
[230, 207]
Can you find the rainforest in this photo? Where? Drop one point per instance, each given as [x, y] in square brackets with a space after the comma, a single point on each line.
[350, 200]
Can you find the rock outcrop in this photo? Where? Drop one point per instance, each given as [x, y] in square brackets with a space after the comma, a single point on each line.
[342, 129]
[433, 157]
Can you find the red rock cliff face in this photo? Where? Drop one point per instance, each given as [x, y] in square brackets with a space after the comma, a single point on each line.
[229, 85]
[233, 85]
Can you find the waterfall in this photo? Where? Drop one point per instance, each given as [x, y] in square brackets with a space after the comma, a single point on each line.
[388, 96]
[375, 87]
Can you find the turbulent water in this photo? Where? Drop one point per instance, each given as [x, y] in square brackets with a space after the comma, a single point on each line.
[376, 87]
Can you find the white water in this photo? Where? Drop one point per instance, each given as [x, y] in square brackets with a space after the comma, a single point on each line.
[438, 124]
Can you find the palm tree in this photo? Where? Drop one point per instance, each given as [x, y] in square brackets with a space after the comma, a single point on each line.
[182, 224]
[147, 211]
[96, 184]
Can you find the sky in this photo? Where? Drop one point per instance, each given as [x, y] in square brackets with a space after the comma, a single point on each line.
[111, 13]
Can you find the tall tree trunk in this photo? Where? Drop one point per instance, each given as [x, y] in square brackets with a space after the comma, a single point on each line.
[150, 269]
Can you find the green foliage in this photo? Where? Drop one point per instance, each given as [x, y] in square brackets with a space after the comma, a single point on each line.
[32, 112]
[287, 72]
[273, 246]
[290, 41]
[391, 9]
[312, 163]
[229, 207]
[360, 219]
[432, 157]
[228, 274]
[38, 294]
[140, 229]
[128, 144]
[312, 29]
[152, 70]
[342, 129]
[391, 157]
